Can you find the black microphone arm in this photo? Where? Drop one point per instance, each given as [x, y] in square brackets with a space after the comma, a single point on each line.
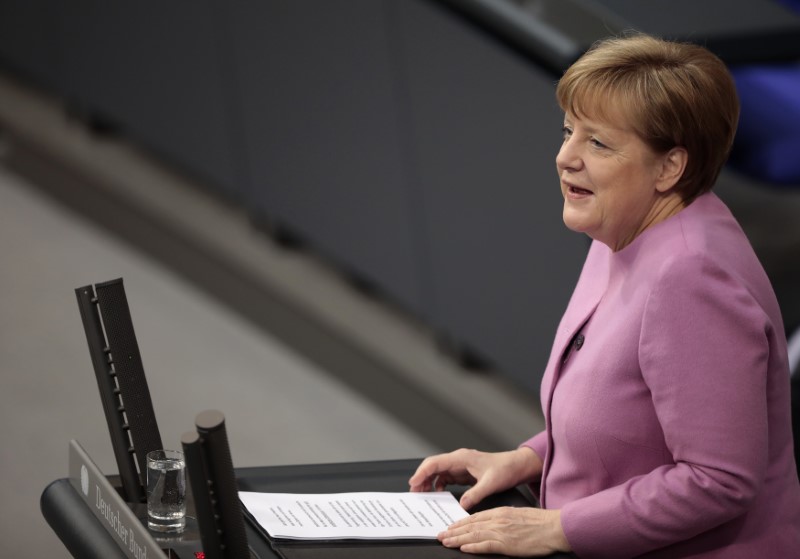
[216, 496]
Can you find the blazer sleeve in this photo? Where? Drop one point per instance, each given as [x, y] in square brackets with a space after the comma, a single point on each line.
[538, 443]
[703, 353]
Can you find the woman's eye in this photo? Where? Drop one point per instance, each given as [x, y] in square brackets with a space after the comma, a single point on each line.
[597, 143]
[566, 132]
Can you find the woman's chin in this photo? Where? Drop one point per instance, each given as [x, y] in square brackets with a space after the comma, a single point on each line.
[575, 221]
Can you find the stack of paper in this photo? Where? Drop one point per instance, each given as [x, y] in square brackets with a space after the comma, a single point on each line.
[372, 515]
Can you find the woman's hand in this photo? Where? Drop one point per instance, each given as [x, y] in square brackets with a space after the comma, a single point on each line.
[519, 532]
[489, 472]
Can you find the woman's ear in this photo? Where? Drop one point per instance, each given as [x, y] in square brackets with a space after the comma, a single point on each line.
[673, 166]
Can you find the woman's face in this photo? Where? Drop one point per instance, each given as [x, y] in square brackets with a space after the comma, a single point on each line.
[611, 180]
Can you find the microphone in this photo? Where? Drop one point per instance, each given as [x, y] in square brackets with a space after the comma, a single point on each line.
[216, 496]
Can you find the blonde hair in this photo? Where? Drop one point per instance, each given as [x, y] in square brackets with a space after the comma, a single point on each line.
[671, 94]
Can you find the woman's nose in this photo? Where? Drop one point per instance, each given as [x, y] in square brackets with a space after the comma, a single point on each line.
[568, 156]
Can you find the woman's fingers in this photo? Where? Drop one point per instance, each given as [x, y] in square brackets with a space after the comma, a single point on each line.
[510, 531]
[435, 472]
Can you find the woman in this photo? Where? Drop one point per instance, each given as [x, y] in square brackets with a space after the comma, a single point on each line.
[666, 396]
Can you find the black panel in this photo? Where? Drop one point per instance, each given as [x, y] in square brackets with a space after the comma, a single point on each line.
[113, 406]
[127, 364]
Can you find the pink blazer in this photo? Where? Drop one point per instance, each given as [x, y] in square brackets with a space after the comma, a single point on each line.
[666, 400]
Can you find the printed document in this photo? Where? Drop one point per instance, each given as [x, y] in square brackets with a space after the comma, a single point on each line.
[372, 515]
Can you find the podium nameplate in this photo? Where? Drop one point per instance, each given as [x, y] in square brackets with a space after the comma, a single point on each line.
[109, 508]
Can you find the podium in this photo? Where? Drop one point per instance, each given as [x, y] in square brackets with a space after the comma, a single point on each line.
[84, 536]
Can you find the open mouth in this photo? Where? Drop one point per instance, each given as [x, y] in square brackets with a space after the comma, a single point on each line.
[579, 191]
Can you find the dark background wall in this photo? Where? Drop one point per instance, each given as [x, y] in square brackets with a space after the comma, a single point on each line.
[410, 142]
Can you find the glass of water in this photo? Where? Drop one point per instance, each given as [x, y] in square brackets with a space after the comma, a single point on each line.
[166, 491]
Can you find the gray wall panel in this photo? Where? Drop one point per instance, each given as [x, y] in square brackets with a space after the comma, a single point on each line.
[403, 143]
[487, 132]
[156, 70]
[28, 40]
[322, 133]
